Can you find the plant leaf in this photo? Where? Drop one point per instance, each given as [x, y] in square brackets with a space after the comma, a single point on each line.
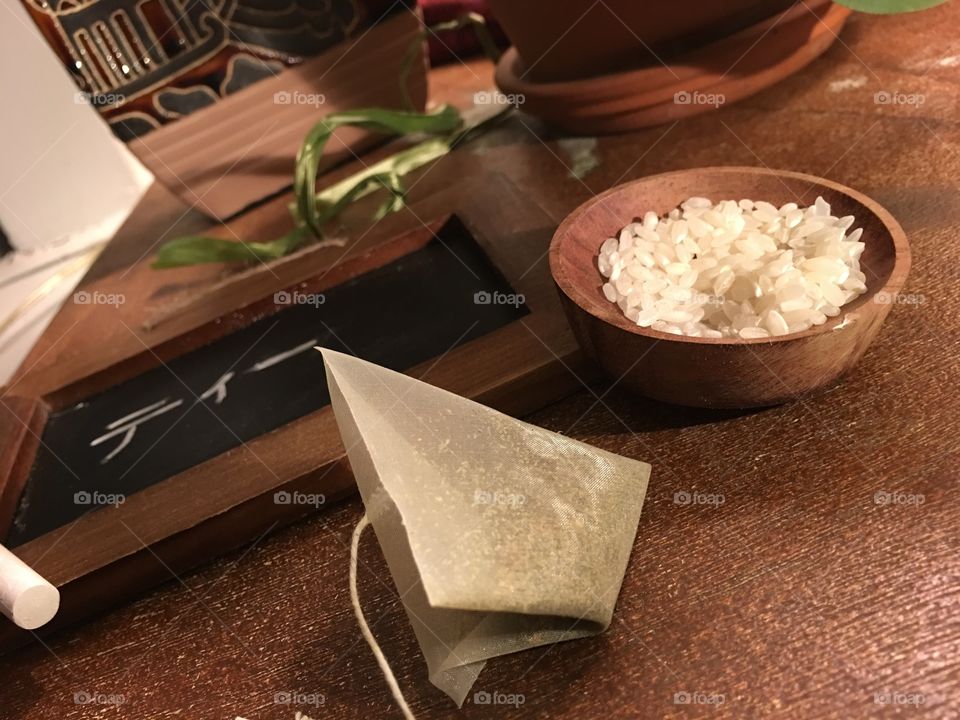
[399, 164]
[198, 249]
[397, 200]
[886, 7]
[389, 180]
[470, 19]
[440, 122]
[311, 209]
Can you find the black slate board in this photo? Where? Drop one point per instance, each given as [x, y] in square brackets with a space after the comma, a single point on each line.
[404, 313]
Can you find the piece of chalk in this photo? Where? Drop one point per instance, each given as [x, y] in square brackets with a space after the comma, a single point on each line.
[25, 597]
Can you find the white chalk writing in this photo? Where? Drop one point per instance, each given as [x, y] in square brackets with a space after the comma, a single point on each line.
[128, 424]
[219, 388]
[280, 357]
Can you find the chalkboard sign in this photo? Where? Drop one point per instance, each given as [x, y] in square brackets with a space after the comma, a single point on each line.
[259, 378]
[208, 417]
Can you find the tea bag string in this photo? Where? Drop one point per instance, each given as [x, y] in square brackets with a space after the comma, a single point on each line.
[365, 629]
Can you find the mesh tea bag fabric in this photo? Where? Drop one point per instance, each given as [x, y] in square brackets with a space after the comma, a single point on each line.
[499, 535]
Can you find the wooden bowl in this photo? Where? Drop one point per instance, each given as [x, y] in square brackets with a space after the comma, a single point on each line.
[727, 372]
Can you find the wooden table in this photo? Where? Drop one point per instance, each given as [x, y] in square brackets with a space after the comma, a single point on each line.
[825, 585]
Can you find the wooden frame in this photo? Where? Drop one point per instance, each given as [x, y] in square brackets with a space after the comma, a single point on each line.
[112, 553]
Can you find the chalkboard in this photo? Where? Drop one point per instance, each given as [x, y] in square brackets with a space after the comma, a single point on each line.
[259, 378]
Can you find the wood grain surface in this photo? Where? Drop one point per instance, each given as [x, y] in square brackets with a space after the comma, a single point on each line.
[826, 583]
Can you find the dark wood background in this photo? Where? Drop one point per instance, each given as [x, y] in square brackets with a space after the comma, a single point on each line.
[800, 596]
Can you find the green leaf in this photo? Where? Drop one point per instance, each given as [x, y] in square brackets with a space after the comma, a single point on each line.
[470, 19]
[886, 7]
[324, 206]
[442, 121]
[312, 209]
[198, 249]
[334, 204]
[398, 197]
[398, 164]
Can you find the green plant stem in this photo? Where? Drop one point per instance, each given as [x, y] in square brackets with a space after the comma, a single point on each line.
[473, 20]
[390, 122]
[312, 209]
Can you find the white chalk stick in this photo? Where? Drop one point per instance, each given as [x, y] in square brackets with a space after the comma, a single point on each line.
[25, 597]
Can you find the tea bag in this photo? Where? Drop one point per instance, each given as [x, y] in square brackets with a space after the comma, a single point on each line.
[499, 535]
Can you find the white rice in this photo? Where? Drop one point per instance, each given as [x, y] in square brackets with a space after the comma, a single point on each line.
[742, 269]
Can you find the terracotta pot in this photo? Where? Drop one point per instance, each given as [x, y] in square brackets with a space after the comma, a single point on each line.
[694, 82]
[572, 39]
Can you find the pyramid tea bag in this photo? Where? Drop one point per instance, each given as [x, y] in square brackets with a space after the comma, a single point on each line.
[499, 535]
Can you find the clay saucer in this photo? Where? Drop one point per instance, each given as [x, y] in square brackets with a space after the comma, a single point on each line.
[726, 372]
[719, 73]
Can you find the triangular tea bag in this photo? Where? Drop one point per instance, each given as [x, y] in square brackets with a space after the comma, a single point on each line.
[499, 535]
